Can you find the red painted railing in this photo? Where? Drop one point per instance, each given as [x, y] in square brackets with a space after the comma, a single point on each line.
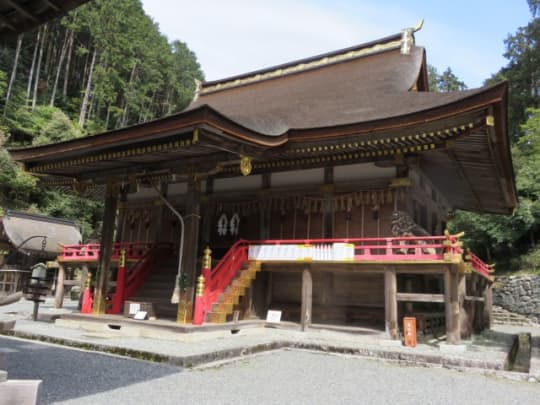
[90, 252]
[221, 276]
[139, 272]
[414, 249]
[406, 248]
[146, 255]
[478, 265]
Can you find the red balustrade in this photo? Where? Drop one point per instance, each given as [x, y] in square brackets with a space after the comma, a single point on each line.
[221, 276]
[146, 255]
[90, 252]
[478, 265]
[397, 249]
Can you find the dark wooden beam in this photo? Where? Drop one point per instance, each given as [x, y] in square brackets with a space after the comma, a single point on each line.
[54, 6]
[24, 11]
[474, 299]
[414, 297]
[7, 23]
[201, 164]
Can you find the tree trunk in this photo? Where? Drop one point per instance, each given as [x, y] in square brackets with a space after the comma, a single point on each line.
[85, 70]
[32, 67]
[59, 68]
[68, 64]
[13, 71]
[128, 91]
[86, 98]
[107, 118]
[36, 82]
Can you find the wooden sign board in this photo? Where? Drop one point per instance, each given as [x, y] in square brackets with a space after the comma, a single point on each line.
[273, 316]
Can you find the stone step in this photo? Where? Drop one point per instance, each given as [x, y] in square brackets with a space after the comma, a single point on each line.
[502, 316]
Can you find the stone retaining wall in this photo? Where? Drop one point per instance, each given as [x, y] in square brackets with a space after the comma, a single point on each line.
[520, 294]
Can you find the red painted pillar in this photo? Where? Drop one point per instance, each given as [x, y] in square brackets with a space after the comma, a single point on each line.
[87, 300]
[200, 309]
[118, 299]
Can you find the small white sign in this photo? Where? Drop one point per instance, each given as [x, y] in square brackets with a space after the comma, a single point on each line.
[134, 308]
[140, 315]
[273, 316]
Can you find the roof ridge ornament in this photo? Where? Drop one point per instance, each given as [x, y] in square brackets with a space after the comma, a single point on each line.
[407, 37]
[197, 92]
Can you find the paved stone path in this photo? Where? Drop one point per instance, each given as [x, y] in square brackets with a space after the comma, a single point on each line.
[278, 377]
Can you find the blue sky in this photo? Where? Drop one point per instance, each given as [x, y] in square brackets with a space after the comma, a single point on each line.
[237, 36]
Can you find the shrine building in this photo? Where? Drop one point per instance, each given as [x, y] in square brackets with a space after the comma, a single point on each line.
[320, 188]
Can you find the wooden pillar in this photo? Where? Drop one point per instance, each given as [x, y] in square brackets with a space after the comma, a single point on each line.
[84, 277]
[464, 308]
[59, 290]
[264, 209]
[488, 304]
[120, 223]
[328, 207]
[206, 220]
[409, 307]
[307, 299]
[269, 292]
[390, 305]
[160, 210]
[107, 234]
[451, 300]
[191, 248]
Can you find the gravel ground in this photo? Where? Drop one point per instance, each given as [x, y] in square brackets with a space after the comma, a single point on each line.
[280, 377]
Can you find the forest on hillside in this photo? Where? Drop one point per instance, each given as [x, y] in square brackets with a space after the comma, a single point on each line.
[106, 65]
[103, 66]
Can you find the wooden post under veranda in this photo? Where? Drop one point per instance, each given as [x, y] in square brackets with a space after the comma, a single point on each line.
[451, 302]
[105, 252]
[390, 305]
[307, 299]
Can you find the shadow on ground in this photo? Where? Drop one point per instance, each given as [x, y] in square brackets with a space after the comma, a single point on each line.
[69, 374]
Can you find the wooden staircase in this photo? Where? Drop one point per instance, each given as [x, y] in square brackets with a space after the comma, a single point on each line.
[229, 299]
[157, 289]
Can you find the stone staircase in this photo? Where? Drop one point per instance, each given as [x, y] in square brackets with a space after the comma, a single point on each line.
[229, 300]
[157, 289]
[503, 317]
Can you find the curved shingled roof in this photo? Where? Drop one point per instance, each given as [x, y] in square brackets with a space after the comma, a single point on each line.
[364, 101]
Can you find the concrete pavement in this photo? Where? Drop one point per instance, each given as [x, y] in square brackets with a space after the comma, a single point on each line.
[485, 354]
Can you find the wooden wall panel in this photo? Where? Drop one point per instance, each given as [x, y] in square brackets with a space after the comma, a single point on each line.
[374, 223]
[338, 298]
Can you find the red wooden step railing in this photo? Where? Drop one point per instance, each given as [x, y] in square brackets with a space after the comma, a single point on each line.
[221, 276]
[146, 256]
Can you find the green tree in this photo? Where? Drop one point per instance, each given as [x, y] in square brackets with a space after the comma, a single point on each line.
[15, 184]
[444, 82]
